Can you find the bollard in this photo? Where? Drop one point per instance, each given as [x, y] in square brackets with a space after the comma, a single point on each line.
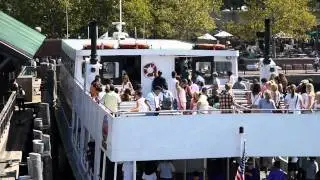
[38, 146]
[30, 172]
[35, 159]
[37, 134]
[38, 124]
[47, 166]
[46, 142]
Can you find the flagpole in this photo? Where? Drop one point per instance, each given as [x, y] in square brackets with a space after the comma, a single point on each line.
[242, 144]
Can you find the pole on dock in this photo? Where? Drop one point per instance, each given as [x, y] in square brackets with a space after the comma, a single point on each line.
[35, 159]
[37, 134]
[38, 124]
[38, 146]
[47, 166]
[46, 142]
[30, 172]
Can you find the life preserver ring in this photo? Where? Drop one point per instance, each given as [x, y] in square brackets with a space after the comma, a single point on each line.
[149, 70]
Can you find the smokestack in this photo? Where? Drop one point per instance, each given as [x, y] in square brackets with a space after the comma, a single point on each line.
[267, 36]
[93, 37]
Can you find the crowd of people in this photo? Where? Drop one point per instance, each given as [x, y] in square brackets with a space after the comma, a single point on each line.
[191, 96]
[165, 170]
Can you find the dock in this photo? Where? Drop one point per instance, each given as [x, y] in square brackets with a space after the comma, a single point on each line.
[16, 139]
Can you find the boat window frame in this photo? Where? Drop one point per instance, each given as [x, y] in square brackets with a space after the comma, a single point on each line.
[74, 128]
[224, 74]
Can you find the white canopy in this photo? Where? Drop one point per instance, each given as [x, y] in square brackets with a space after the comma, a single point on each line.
[207, 36]
[223, 34]
[282, 35]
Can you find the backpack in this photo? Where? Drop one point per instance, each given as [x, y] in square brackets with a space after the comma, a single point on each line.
[167, 101]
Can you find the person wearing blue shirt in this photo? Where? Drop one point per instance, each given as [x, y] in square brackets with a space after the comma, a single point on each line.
[277, 173]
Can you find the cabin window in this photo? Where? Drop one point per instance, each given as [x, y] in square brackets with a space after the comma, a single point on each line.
[110, 70]
[204, 68]
[222, 68]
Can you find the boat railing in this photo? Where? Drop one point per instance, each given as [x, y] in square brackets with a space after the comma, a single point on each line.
[79, 84]
[215, 111]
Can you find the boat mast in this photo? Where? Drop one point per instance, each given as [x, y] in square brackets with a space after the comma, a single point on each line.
[120, 7]
[120, 23]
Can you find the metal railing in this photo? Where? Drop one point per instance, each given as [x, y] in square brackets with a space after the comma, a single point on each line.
[305, 68]
[215, 111]
[7, 112]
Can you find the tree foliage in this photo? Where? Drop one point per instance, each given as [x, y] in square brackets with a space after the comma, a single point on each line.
[183, 19]
[155, 18]
[289, 16]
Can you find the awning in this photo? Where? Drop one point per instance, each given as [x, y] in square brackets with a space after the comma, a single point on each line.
[282, 35]
[19, 37]
[207, 36]
[223, 34]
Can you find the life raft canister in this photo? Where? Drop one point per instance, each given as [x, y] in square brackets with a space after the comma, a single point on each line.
[149, 70]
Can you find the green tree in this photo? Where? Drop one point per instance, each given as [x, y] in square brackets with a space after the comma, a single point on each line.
[34, 13]
[137, 15]
[181, 19]
[288, 16]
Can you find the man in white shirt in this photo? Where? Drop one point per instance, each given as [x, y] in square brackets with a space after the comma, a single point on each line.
[231, 78]
[172, 88]
[166, 170]
[111, 99]
[215, 80]
[127, 170]
[153, 99]
[199, 78]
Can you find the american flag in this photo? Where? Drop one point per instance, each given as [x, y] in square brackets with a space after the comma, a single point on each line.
[241, 169]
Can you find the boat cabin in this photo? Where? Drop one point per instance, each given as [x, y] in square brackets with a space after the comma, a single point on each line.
[140, 59]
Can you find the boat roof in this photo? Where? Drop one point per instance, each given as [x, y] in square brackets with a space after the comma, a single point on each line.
[164, 44]
[162, 47]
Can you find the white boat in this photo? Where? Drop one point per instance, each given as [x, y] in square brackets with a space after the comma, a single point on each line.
[171, 135]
